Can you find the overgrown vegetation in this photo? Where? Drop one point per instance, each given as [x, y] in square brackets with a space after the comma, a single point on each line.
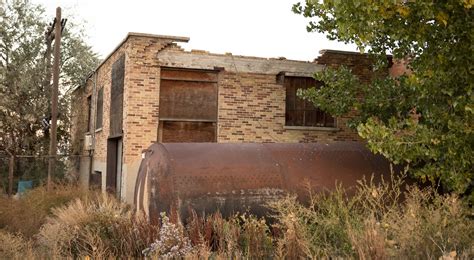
[379, 221]
[424, 118]
[97, 227]
[26, 215]
[25, 87]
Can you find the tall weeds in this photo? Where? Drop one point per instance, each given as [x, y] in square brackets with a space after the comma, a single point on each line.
[239, 236]
[14, 245]
[388, 219]
[97, 227]
[378, 221]
[26, 215]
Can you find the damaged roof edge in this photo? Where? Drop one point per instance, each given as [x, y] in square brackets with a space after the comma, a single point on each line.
[135, 34]
[323, 51]
[236, 64]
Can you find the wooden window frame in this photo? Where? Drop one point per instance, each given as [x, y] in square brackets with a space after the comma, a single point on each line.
[295, 105]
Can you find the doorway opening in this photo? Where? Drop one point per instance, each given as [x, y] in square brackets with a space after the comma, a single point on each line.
[114, 166]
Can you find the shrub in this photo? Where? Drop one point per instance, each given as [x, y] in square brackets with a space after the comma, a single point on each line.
[239, 236]
[98, 226]
[319, 230]
[379, 221]
[171, 243]
[255, 239]
[12, 245]
[430, 226]
[26, 214]
[227, 234]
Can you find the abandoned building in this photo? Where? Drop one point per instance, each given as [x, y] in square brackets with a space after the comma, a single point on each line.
[150, 90]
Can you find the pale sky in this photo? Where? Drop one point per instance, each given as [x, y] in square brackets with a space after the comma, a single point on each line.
[263, 28]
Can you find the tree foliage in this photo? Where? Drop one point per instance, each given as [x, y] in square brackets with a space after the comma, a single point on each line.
[24, 96]
[25, 92]
[423, 118]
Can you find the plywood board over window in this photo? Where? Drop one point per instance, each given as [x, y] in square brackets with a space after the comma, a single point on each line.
[116, 97]
[188, 105]
[89, 112]
[100, 108]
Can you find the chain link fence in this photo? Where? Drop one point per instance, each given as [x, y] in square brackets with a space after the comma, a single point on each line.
[35, 169]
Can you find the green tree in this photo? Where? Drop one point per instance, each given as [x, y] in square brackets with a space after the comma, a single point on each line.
[423, 119]
[24, 89]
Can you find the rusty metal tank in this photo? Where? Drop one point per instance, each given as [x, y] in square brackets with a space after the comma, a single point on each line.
[209, 177]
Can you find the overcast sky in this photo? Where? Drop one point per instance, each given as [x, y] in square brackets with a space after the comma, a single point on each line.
[264, 28]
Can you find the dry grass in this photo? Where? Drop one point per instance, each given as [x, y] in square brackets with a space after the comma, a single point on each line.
[98, 227]
[26, 215]
[240, 236]
[387, 220]
[430, 226]
[379, 222]
[11, 245]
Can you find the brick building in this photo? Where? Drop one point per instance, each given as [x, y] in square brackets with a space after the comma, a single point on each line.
[150, 90]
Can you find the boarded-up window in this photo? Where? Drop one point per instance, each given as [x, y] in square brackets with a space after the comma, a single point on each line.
[300, 112]
[188, 132]
[188, 105]
[89, 112]
[100, 108]
[187, 100]
[116, 97]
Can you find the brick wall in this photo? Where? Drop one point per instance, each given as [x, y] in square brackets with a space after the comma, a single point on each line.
[251, 105]
[399, 67]
[104, 79]
[360, 64]
[78, 119]
[101, 78]
[252, 109]
[141, 98]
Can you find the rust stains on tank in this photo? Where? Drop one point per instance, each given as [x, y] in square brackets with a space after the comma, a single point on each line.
[176, 177]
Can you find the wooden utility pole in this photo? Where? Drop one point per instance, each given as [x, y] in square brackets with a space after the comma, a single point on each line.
[49, 36]
[11, 169]
[54, 96]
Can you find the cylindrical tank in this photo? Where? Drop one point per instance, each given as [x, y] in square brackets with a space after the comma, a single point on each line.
[209, 177]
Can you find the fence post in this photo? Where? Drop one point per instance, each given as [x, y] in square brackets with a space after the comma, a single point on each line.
[10, 174]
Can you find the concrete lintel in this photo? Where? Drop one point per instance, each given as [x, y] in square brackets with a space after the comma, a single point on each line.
[237, 64]
[312, 128]
[158, 36]
[323, 51]
[297, 74]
